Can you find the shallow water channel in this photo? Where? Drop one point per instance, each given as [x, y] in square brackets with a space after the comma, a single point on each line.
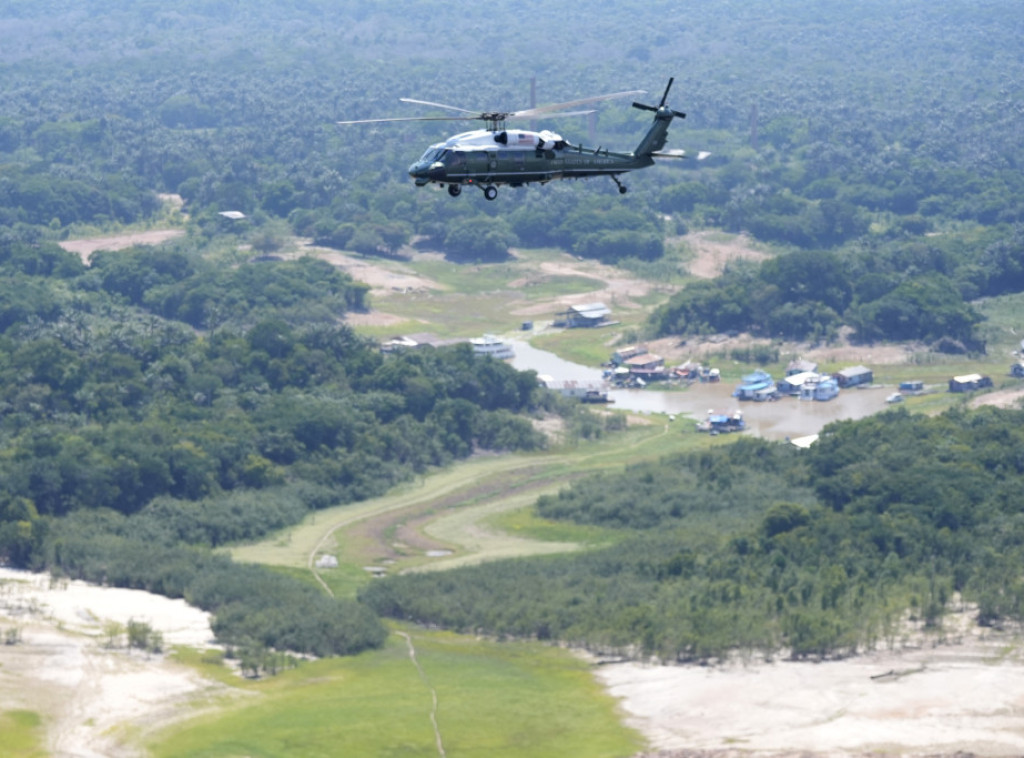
[788, 417]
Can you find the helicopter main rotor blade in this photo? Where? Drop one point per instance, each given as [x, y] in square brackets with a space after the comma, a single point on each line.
[546, 109]
[496, 117]
[414, 118]
[438, 105]
[530, 114]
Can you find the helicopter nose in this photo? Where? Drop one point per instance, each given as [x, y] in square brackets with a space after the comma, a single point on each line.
[423, 172]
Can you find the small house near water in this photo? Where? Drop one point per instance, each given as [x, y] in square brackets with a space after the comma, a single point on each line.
[969, 383]
[588, 315]
[855, 376]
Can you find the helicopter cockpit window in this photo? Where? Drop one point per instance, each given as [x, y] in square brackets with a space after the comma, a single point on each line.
[432, 154]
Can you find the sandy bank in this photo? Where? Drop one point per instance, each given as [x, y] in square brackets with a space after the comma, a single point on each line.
[90, 697]
[965, 698]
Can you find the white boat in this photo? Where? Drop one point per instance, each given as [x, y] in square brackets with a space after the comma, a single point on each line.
[492, 346]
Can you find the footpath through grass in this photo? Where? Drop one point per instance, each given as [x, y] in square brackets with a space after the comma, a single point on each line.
[494, 700]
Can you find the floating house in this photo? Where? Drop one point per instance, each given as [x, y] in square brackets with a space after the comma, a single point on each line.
[823, 387]
[692, 372]
[415, 342]
[855, 376]
[584, 391]
[758, 386]
[623, 354]
[810, 385]
[792, 384]
[646, 366]
[801, 366]
[722, 423]
[492, 346]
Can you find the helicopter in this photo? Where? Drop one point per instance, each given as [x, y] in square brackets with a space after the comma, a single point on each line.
[497, 155]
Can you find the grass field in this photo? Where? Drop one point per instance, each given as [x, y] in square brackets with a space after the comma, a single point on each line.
[494, 700]
[21, 735]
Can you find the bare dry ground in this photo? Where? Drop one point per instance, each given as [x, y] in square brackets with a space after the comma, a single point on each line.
[1008, 398]
[382, 279]
[86, 247]
[91, 696]
[713, 250]
[616, 286]
[961, 698]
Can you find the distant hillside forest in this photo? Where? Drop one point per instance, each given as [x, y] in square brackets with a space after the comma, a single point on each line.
[888, 137]
[882, 521]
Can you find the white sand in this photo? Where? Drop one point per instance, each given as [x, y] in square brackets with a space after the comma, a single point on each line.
[966, 697]
[93, 699]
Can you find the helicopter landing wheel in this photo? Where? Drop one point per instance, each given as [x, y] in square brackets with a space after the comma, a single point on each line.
[454, 190]
[490, 192]
[621, 186]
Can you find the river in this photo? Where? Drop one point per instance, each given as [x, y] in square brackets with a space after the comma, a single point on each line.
[787, 418]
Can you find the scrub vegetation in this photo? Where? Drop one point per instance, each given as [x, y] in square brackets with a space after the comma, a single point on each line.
[764, 549]
[161, 404]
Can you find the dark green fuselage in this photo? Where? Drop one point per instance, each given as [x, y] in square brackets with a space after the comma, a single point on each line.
[515, 157]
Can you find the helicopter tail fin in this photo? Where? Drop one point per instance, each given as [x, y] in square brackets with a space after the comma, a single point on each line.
[657, 135]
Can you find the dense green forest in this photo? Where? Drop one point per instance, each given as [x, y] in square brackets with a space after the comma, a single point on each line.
[158, 403]
[890, 515]
[887, 136]
[133, 444]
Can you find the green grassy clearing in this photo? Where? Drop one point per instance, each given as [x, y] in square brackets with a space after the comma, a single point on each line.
[21, 734]
[524, 522]
[589, 347]
[494, 699]
[1004, 326]
[490, 291]
[446, 315]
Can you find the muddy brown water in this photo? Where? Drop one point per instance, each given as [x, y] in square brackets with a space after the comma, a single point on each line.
[788, 417]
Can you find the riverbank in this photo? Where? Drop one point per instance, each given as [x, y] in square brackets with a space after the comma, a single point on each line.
[960, 698]
[89, 693]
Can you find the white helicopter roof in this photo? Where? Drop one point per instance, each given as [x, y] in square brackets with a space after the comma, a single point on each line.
[484, 139]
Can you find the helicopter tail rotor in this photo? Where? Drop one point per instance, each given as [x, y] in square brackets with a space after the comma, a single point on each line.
[660, 107]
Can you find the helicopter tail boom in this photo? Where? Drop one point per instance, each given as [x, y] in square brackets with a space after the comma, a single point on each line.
[657, 135]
